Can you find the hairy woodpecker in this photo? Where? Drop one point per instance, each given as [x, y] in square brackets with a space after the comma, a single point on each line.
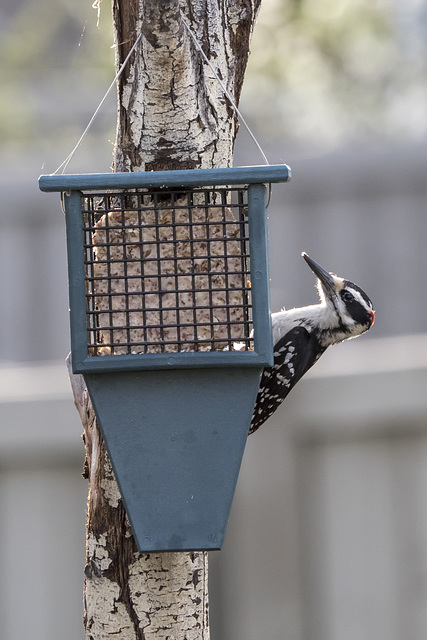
[300, 336]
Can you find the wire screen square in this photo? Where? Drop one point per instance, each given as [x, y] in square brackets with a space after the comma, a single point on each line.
[167, 271]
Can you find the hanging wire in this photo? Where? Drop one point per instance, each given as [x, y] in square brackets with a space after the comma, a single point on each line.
[223, 87]
[67, 160]
[228, 95]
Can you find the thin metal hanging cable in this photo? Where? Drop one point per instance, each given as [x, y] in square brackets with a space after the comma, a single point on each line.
[223, 87]
[67, 160]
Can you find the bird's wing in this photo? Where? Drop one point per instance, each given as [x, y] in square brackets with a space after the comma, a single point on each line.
[294, 354]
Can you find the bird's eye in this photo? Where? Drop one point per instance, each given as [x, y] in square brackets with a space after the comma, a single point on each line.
[347, 297]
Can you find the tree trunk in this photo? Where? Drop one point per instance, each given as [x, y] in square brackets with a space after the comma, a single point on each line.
[172, 114]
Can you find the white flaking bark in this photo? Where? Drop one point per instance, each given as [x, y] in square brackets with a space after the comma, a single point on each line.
[109, 484]
[103, 595]
[98, 552]
[157, 600]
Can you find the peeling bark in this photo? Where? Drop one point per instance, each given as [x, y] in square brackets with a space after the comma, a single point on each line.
[172, 114]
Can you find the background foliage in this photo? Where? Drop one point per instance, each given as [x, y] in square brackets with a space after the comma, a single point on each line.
[321, 71]
[329, 70]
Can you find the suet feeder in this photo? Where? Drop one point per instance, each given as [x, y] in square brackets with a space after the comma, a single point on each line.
[168, 275]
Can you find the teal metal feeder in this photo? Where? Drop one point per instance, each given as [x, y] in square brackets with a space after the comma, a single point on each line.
[168, 274]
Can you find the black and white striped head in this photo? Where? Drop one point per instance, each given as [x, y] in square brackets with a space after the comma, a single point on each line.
[348, 310]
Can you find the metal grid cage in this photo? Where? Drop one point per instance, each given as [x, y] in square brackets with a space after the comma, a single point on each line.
[167, 272]
[168, 269]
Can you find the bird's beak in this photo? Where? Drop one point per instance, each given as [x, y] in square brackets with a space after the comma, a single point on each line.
[325, 278]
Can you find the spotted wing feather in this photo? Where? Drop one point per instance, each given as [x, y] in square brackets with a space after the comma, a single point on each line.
[294, 354]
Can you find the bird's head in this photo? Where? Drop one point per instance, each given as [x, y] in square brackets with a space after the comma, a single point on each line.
[349, 311]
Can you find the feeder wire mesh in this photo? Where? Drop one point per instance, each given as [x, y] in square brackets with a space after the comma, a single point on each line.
[167, 271]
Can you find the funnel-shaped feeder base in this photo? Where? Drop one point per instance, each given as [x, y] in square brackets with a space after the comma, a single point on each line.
[176, 441]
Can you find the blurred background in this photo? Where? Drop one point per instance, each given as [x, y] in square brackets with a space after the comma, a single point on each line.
[327, 538]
